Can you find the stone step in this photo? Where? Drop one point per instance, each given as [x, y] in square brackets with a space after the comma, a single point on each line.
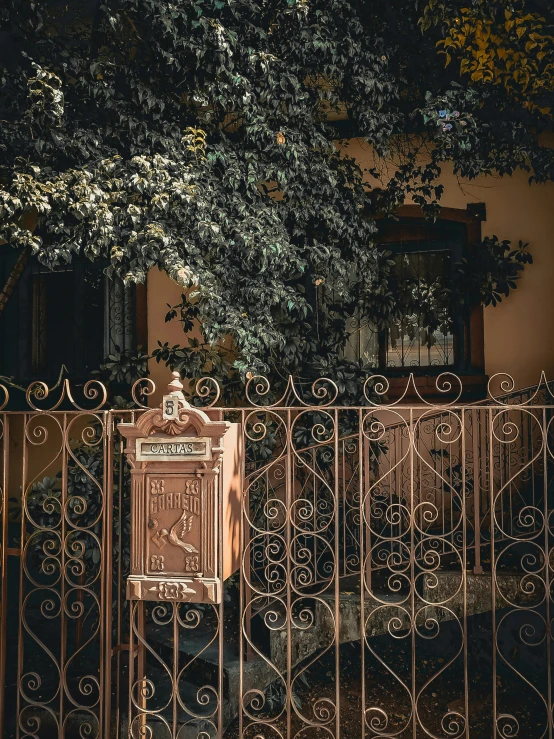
[308, 638]
[388, 611]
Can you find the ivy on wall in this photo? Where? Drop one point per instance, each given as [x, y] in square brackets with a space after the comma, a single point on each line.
[485, 279]
[499, 43]
[199, 138]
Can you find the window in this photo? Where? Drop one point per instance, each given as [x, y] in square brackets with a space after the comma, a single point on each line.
[69, 318]
[429, 336]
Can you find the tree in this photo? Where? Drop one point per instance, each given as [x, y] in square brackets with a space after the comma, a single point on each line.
[499, 43]
[197, 137]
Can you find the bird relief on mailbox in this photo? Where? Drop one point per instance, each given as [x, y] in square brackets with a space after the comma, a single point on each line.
[184, 501]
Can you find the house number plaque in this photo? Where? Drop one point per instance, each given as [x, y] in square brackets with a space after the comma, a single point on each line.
[177, 502]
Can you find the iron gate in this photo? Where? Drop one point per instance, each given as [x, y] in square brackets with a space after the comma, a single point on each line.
[395, 579]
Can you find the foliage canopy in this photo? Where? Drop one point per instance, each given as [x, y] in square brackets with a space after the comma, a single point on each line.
[201, 137]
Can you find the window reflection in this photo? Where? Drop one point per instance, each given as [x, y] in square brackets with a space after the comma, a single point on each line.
[426, 330]
[422, 337]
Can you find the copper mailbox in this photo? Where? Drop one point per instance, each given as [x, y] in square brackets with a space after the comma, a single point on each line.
[185, 501]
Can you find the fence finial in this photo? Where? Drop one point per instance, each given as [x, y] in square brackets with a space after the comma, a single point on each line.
[175, 387]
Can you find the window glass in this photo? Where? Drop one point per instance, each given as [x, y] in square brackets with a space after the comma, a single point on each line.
[71, 318]
[362, 342]
[67, 320]
[423, 336]
[426, 332]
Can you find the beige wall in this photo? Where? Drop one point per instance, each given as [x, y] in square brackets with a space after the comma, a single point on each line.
[519, 333]
[161, 291]
[519, 336]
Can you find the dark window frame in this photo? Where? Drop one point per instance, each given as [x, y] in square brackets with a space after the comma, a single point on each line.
[471, 349]
[19, 324]
[468, 333]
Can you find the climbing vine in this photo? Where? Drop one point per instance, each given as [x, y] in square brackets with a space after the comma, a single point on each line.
[207, 139]
[499, 43]
[486, 278]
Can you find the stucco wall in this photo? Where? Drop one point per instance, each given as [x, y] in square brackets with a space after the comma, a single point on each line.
[519, 336]
[162, 290]
[519, 333]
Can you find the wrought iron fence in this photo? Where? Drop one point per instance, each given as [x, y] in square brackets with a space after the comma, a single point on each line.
[395, 579]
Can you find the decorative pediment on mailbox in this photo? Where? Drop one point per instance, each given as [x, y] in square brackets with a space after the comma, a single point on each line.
[185, 506]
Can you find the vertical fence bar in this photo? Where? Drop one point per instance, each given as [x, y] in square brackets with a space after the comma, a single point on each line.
[63, 565]
[243, 625]
[175, 671]
[5, 456]
[443, 502]
[366, 530]
[493, 568]
[221, 611]
[289, 482]
[119, 587]
[141, 665]
[21, 579]
[132, 605]
[362, 529]
[313, 463]
[106, 581]
[464, 567]
[247, 573]
[337, 574]
[412, 573]
[547, 572]
[475, 426]
[341, 445]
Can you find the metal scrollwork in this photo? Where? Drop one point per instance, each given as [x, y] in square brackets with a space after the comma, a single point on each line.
[396, 569]
[206, 387]
[93, 390]
[61, 598]
[142, 388]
